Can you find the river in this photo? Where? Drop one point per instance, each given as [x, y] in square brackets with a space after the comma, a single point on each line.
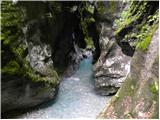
[76, 97]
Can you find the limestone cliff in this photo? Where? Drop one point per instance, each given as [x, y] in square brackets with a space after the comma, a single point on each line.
[138, 97]
[39, 43]
[113, 65]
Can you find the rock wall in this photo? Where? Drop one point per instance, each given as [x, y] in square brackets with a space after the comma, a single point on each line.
[49, 31]
[38, 46]
[138, 97]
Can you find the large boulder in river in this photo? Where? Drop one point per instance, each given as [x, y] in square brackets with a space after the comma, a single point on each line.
[112, 66]
[20, 92]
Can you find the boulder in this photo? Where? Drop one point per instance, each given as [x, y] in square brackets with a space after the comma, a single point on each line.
[22, 93]
[111, 69]
[112, 66]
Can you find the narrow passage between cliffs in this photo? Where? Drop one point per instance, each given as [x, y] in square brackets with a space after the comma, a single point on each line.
[76, 97]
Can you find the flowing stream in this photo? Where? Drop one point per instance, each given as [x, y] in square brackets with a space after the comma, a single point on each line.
[76, 97]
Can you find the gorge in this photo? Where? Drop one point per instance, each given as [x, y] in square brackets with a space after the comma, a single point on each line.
[80, 59]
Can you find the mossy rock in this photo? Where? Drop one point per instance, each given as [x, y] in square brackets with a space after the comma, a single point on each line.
[141, 18]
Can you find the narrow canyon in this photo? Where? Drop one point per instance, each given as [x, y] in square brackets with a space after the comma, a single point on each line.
[80, 59]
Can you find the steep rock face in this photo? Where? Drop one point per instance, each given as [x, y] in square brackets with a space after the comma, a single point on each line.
[112, 67]
[28, 77]
[33, 54]
[47, 31]
[138, 96]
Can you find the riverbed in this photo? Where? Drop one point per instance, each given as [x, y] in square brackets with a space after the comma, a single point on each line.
[76, 98]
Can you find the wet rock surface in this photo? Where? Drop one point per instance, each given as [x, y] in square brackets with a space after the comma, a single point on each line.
[87, 53]
[112, 66]
[111, 69]
[20, 93]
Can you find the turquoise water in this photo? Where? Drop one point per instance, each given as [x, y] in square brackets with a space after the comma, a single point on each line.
[76, 97]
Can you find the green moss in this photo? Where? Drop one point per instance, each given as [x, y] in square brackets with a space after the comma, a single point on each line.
[144, 37]
[33, 77]
[11, 68]
[154, 88]
[144, 44]
[128, 116]
[141, 33]
[101, 8]
[88, 8]
[112, 6]
[49, 80]
[127, 86]
[12, 25]
[51, 77]
[129, 15]
[125, 90]
[11, 21]
[89, 42]
[87, 21]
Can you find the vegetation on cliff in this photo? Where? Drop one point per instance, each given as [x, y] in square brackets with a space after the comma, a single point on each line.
[138, 96]
[86, 16]
[138, 23]
[42, 40]
[14, 49]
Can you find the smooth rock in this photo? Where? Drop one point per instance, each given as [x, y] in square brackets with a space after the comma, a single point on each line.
[112, 66]
[111, 70]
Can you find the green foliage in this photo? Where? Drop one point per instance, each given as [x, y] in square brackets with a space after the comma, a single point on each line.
[12, 24]
[11, 32]
[141, 33]
[85, 22]
[11, 68]
[145, 35]
[11, 21]
[128, 16]
[89, 42]
[101, 9]
[124, 19]
[154, 88]
[153, 18]
[144, 43]
[112, 6]
[88, 8]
